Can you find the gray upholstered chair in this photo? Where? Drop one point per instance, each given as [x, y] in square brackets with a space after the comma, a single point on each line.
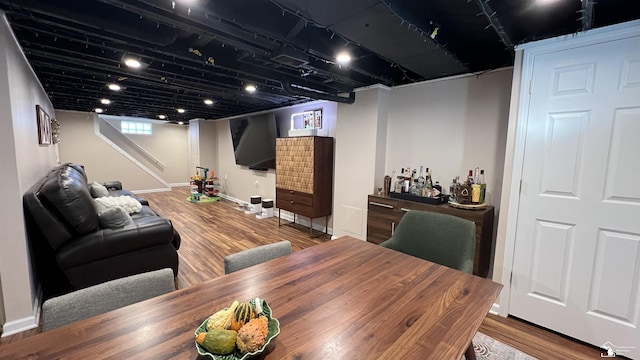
[256, 255]
[443, 239]
[440, 238]
[98, 299]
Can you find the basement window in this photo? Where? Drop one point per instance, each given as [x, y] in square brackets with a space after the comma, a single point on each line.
[135, 127]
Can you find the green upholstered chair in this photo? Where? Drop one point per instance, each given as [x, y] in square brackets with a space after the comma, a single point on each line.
[440, 238]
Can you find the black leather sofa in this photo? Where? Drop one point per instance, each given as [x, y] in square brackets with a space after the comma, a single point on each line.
[70, 250]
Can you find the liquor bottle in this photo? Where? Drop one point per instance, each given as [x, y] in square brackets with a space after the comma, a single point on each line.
[429, 179]
[470, 178]
[437, 186]
[399, 185]
[464, 192]
[475, 194]
[400, 182]
[407, 180]
[483, 186]
[453, 188]
[421, 180]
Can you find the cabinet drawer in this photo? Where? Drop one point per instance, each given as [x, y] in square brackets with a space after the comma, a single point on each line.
[380, 226]
[382, 217]
[300, 209]
[293, 197]
[381, 204]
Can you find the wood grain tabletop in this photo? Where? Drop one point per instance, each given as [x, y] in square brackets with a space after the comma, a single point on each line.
[343, 299]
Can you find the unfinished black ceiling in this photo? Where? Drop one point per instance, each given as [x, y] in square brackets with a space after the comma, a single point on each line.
[192, 50]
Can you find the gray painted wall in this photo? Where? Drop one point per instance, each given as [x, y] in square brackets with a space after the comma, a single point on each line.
[23, 161]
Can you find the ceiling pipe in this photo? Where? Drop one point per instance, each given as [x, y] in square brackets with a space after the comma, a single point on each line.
[298, 91]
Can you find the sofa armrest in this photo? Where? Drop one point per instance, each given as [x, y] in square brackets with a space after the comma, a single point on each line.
[113, 185]
[145, 233]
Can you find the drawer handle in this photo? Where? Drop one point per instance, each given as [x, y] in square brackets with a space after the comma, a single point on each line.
[291, 191]
[381, 205]
[405, 210]
[292, 201]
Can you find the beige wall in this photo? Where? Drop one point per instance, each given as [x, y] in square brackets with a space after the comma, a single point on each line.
[80, 144]
[360, 136]
[207, 145]
[450, 125]
[23, 162]
[168, 144]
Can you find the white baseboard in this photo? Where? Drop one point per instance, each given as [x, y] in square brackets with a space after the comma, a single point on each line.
[145, 191]
[178, 184]
[172, 185]
[26, 323]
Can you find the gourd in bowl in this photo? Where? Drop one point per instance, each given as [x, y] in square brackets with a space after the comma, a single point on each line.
[214, 340]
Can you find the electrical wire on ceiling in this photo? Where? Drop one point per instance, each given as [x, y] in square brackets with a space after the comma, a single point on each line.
[586, 18]
[494, 22]
[430, 33]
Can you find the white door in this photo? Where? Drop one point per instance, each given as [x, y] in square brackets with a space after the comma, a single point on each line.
[576, 266]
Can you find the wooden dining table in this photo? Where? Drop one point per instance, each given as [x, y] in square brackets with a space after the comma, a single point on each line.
[343, 299]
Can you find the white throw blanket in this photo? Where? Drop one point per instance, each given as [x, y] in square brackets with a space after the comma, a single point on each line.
[126, 202]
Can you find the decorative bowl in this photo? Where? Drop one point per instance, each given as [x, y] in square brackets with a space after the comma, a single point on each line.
[274, 330]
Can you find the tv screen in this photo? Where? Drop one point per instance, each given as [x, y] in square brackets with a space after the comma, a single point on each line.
[254, 140]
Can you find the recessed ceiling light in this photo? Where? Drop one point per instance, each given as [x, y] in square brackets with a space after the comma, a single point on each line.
[162, 117]
[208, 101]
[180, 110]
[114, 87]
[132, 63]
[98, 110]
[251, 88]
[105, 101]
[343, 58]
[180, 123]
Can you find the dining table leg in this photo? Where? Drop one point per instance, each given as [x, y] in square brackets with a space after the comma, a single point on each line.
[470, 354]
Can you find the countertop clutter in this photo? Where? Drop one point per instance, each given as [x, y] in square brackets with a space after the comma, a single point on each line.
[414, 186]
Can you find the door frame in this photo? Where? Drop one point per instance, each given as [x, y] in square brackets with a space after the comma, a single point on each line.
[516, 135]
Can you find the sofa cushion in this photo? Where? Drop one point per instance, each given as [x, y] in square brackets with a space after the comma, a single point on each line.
[114, 217]
[128, 203]
[67, 196]
[98, 190]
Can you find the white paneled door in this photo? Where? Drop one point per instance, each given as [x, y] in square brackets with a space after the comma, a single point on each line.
[576, 266]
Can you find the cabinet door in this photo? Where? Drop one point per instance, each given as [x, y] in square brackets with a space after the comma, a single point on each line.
[382, 218]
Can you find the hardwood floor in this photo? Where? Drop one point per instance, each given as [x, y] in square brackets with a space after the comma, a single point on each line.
[211, 231]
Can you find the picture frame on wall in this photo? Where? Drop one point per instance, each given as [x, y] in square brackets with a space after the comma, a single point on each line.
[317, 119]
[44, 126]
[307, 116]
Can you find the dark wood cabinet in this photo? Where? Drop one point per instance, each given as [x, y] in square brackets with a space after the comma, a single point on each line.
[384, 214]
[304, 176]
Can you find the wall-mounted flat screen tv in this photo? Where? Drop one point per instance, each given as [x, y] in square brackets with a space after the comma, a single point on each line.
[254, 140]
